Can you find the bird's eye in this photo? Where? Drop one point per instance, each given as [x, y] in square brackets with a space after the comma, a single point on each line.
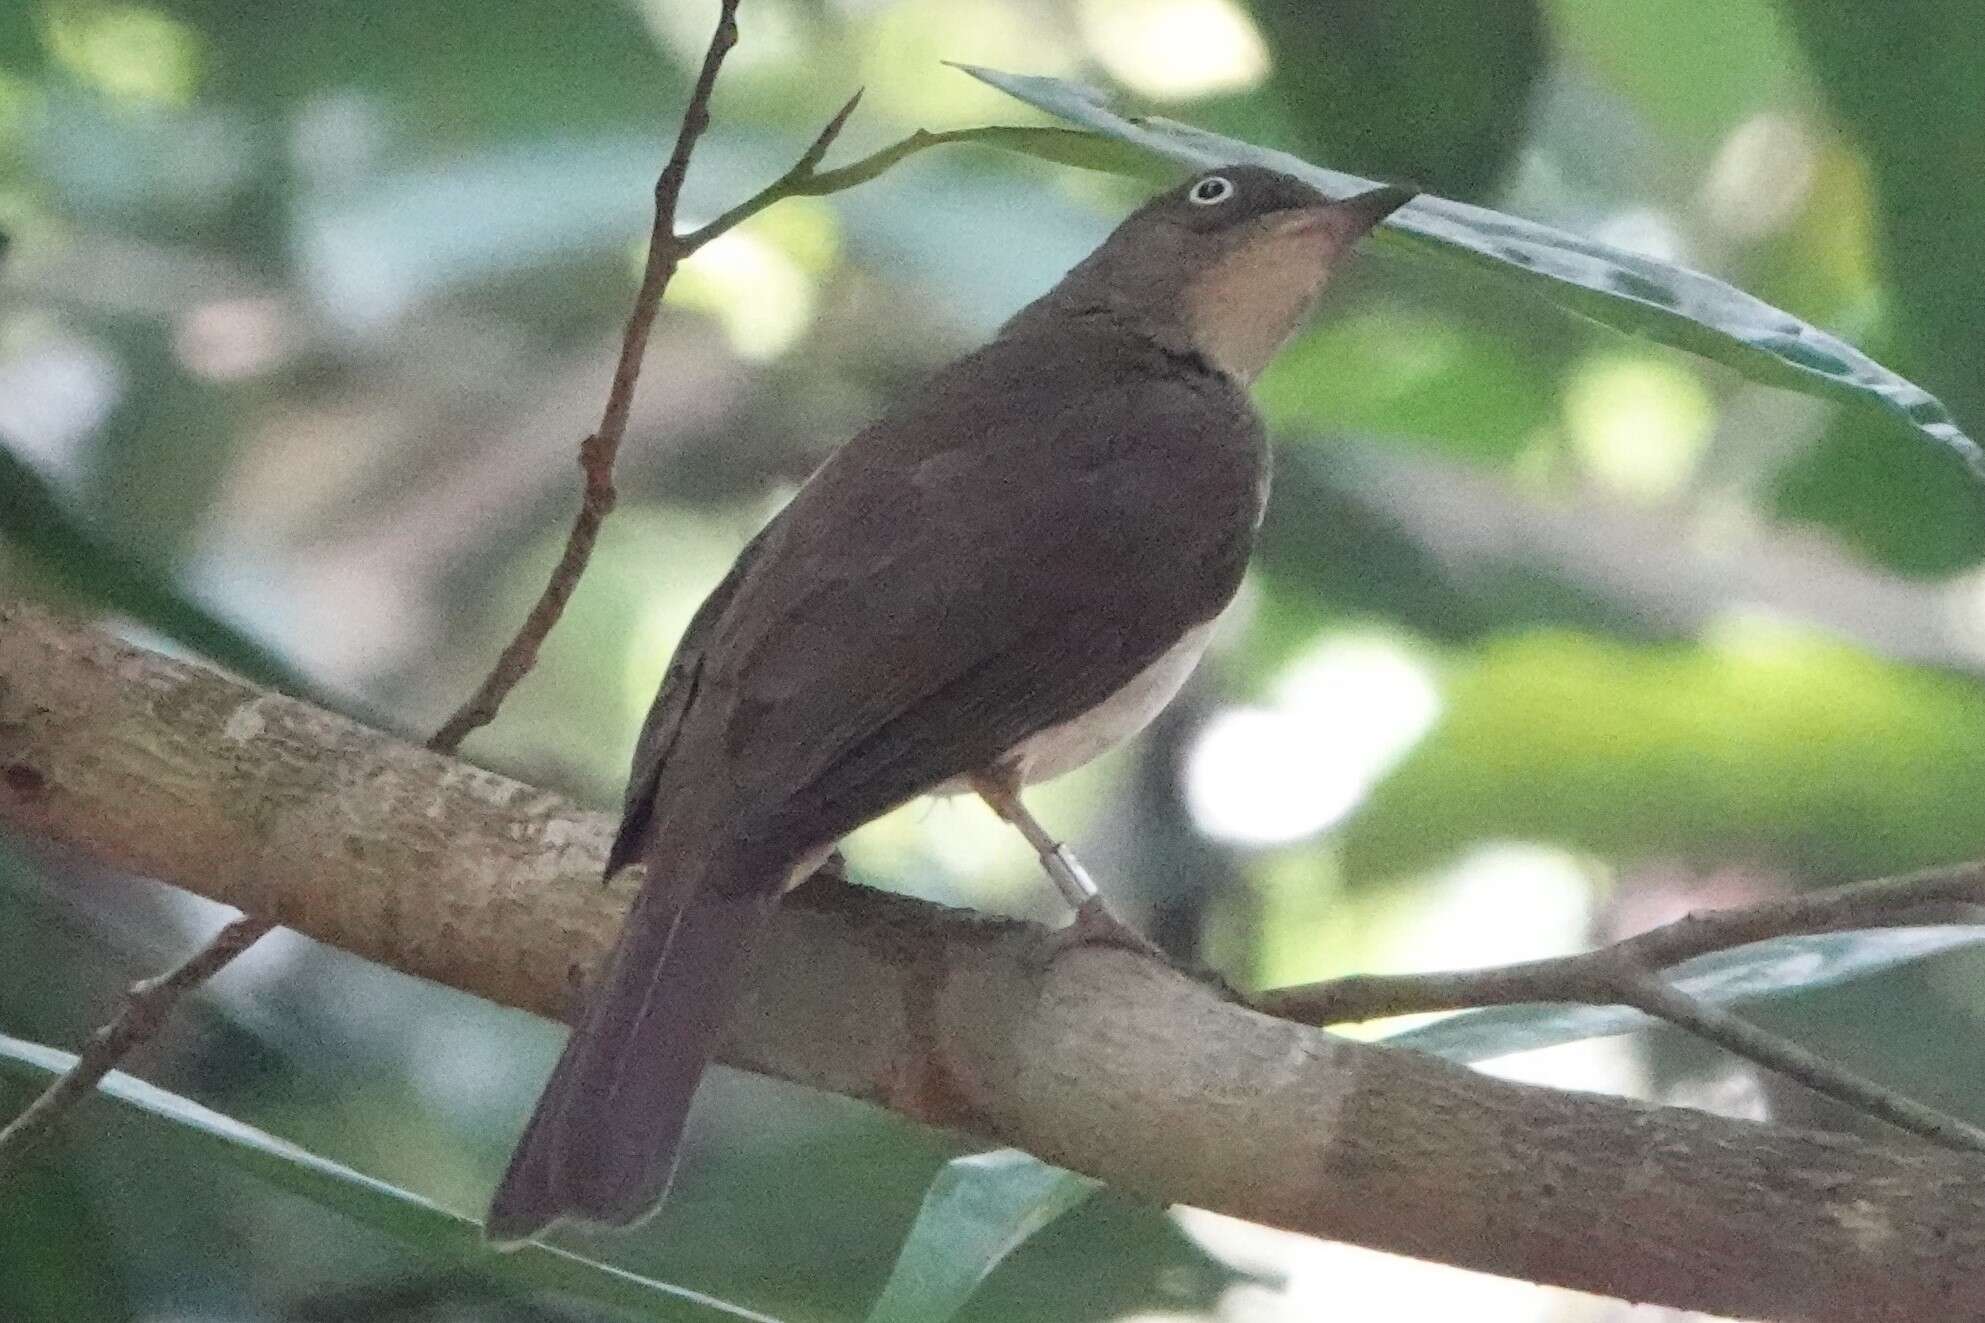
[1212, 190]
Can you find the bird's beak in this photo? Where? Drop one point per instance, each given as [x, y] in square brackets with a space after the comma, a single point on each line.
[1345, 221]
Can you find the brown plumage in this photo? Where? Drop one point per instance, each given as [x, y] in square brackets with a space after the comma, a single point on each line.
[995, 558]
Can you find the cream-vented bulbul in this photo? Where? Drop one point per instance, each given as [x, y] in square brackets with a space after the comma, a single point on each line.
[1007, 574]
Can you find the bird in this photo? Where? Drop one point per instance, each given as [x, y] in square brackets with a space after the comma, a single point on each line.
[1009, 572]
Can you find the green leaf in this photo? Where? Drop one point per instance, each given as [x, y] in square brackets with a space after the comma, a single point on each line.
[1623, 290]
[36, 520]
[977, 1211]
[1921, 152]
[420, 1223]
[1781, 967]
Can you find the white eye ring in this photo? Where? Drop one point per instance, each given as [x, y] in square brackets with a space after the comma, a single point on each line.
[1211, 191]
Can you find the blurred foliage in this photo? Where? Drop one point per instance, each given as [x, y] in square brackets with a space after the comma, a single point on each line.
[1360, 85]
[1925, 155]
[84, 564]
[1553, 630]
[1788, 749]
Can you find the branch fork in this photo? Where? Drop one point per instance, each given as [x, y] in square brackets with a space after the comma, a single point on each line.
[1627, 973]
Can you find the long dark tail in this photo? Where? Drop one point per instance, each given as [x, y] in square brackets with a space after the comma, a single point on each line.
[601, 1145]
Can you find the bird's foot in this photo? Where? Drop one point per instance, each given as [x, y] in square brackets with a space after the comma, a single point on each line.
[1096, 924]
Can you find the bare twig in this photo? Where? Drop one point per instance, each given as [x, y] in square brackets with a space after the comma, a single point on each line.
[666, 251]
[804, 180]
[1915, 898]
[1623, 974]
[148, 1004]
[1739, 1036]
[598, 452]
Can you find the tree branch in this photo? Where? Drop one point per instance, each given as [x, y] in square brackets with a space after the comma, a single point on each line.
[1925, 897]
[146, 1006]
[1099, 1061]
[1647, 993]
[1623, 974]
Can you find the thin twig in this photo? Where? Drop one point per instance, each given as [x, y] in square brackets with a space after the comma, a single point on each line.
[1624, 974]
[804, 180]
[1647, 993]
[666, 251]
[598, 451]
[1916, 898]
[148, 1004]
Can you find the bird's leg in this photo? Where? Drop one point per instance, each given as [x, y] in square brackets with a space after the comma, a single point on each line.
[1095, 923]
[1063, 868]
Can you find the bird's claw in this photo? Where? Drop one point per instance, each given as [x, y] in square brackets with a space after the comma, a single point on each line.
[1095, 924]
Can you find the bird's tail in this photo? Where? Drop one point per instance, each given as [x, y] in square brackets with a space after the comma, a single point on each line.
[601, 1145]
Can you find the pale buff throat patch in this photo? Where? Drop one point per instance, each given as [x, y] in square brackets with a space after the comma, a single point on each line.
[1247, 304]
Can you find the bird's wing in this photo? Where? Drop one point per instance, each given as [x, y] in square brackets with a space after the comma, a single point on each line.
[998, 556]
[659, 730]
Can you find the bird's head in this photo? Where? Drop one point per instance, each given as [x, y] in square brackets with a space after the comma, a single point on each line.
[1231, 261]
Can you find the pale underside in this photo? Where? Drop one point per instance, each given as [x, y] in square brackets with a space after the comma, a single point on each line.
[1070, 744]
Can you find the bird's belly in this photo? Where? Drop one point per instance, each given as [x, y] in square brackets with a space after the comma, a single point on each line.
[1063, 748]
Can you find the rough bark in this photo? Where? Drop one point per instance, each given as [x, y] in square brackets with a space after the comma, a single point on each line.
[1099, 1061]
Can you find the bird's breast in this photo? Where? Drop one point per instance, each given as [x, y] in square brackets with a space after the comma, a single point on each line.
[1064, 747]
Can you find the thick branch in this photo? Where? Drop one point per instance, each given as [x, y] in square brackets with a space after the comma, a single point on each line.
[1101, 1061]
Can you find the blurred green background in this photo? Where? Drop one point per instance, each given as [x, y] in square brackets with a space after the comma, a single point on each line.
[1551, 635]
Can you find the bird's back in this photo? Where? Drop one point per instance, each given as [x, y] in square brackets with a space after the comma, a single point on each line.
[1000, 553]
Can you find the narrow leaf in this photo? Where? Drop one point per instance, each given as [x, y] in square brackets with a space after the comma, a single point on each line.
[1781, 967]
[34, 518]
[420, 1223]
[977, 1211]
[1626, 291]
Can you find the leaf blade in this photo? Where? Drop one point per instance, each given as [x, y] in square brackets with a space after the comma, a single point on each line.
[1626, 291]
[978, 1210]
[408, 1217]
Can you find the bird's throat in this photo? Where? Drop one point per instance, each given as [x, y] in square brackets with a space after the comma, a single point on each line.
[1243, 308]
